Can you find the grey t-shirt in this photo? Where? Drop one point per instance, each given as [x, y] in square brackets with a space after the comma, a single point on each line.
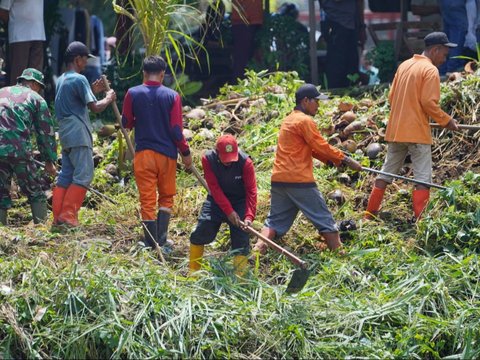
[343, 12]
[73, 94]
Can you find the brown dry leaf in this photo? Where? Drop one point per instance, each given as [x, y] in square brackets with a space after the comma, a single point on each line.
[320, 246]
[40, 311]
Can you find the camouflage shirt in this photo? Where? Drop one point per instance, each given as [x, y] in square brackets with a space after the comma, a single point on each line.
[23, 111]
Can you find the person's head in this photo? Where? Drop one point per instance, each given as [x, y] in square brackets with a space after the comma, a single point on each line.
[32, 78]
[154, 64]
[289, 9]
[154, 68]
[77, 55]
[307, 97]
[437, 47]
[227, 149]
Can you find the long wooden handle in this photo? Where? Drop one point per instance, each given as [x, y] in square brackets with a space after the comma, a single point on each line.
[118, 117]
[199, 177]
[460, 126]
[296, 260]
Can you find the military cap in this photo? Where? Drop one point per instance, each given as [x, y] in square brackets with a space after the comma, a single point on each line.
[32, 74]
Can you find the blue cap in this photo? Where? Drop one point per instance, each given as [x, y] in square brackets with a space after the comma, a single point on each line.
[309, 91]
[438, 38]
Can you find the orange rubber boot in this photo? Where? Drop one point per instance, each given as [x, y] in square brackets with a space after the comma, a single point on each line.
[374, 202]
[420, 200]
[57, 201]
[72, 202]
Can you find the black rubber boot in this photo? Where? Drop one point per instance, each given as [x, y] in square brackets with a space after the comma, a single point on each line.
[39, 211]
[163, 218]
[3, 217]
[150, 231]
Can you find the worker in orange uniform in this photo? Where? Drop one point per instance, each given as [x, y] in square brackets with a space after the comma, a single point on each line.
[414, 98]
[247, 18]
[293, 185]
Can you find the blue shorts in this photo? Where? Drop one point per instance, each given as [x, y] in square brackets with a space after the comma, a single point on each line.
[285, 203]
[77, 167]
[209, 221]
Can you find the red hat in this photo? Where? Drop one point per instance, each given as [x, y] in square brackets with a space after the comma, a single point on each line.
[227, 148]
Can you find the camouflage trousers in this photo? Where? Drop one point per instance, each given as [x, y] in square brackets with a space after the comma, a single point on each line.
[28, 178]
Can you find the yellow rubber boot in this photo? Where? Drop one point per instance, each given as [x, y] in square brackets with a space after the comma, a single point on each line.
[240, 265]
[196, 255]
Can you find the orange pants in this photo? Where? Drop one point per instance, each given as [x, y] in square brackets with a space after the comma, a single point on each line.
[154, 172]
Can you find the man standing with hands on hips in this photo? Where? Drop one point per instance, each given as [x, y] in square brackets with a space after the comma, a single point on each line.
[414, 98]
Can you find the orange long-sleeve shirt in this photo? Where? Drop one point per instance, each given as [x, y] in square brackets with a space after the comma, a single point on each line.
[414, 98]
[299, 140]
[248, 12]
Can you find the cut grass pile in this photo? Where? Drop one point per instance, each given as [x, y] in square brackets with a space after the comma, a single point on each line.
[66, 300]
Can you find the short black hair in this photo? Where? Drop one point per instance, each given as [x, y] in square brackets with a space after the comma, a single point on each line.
[74, 49]
[70, 59]
[154, 64]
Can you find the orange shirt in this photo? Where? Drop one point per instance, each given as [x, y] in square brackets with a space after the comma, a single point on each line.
[299, 140]
[248, 12]
[413, 99]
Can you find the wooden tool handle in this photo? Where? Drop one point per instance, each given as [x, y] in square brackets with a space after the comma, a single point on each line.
[296, 260]
[118, 117]
[199, 177]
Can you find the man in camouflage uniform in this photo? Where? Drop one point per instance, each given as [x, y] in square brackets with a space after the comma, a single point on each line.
[23, 111]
